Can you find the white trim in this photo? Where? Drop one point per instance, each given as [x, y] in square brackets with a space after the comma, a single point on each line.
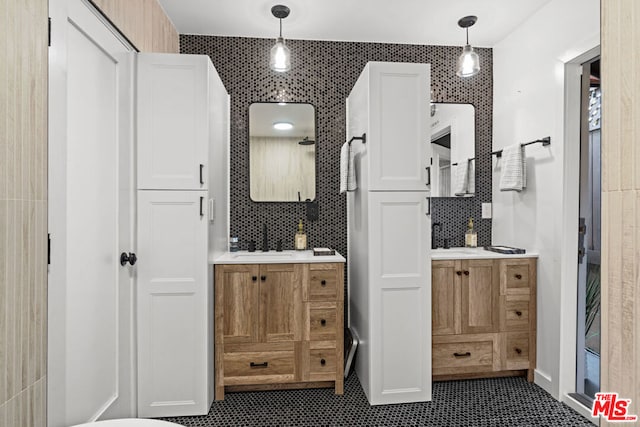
[545, 382]
[570, 208]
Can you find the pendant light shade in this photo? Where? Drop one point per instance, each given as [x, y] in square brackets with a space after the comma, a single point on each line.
[469, 62]
[280, 56]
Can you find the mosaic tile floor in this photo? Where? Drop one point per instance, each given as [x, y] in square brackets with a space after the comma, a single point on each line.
[487, 402]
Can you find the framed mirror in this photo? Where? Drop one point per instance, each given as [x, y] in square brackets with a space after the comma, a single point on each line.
[282, 152]
[453, 148]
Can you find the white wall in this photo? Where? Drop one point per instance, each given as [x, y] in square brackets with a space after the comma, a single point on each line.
[529, 103]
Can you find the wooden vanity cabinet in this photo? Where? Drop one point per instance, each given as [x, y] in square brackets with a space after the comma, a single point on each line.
[278, 326]
[483, 318]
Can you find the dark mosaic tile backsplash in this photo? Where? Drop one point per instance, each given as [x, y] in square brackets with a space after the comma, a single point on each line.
[323, 74]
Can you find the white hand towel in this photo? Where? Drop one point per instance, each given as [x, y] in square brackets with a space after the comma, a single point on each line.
[514, 169]
[471, 178]
[347, 169]
[460, 178]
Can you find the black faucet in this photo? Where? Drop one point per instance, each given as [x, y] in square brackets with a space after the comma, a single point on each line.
[433, 233]
[265, 239]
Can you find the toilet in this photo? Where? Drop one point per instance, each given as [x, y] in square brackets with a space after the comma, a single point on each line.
[129, 422]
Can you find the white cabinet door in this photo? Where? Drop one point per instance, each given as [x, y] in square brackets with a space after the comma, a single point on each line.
[398, 141]
[173, 129]
[173, 292]
[400, 286]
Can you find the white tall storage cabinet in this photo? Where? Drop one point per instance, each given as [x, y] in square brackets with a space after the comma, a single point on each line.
[389, 230]
[182, 156]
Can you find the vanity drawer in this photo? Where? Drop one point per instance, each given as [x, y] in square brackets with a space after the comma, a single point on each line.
[515, 314]
[517, 350]
[322, 364]
[323, 284]
[458, 357]
[255, 367]
[321, 321]
[517, 276]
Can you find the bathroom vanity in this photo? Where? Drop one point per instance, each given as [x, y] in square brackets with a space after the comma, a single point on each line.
[483, 314]
[278, 321]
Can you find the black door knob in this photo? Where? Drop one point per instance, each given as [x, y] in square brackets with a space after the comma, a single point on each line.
[323, 362]
[323, 282]
[323, 322]
[130, 258]
[263, 278]
[254, 278]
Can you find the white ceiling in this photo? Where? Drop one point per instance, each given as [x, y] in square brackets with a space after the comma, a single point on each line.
[431, 22]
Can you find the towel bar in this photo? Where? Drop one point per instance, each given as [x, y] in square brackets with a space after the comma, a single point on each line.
[545, 141]
[362, 138]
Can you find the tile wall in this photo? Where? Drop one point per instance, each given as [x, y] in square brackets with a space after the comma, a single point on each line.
[323, 74]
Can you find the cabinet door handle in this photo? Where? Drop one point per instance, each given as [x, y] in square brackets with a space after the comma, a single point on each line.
[254, 278]
[323, 283]
[201, 175]
[323, 322]
[518, 276]
[518, 313]
[263, 278]
[201, 203]
[323, 362]
[467, 354]
[466, 272]
[259, 365]
[459, 273]
[428, 168]
[517, 350]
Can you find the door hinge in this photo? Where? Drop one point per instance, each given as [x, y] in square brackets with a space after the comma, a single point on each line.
[49, 249]
[49, 32]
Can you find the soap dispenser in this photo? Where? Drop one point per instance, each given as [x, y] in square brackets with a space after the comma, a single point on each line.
[301, 238]
[471, 237]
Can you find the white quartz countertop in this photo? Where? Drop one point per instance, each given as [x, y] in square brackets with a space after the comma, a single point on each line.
[273, 257]
[474, 253]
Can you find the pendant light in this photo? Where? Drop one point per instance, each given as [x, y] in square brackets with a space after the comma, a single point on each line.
[469, 62]
[280, 59]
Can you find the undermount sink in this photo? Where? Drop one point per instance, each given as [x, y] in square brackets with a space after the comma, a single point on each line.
[259, 255]
[274, 257]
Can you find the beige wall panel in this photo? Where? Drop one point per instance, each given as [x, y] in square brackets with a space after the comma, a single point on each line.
[621, 200]
[23, 226]
[164, 34]
[143, 22]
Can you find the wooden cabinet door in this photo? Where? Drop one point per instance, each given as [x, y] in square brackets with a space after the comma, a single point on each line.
[399, 126]
[172, 304]
[445, 297]
[173, 121]
[280, 302]
[237, 302]
[479, 308]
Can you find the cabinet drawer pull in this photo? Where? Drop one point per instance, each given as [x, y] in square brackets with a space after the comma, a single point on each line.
[323, 283]
[466, 272]
[517, 350]
[323, 362]
[201, 203]
[459, 273]
[518, 276]
[201, 176]
[467, 354]
[323, 322]
[518, 313]
[254, 278]
[259, 365]
[263, 278]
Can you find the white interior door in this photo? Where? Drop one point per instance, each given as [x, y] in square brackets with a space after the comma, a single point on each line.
[90, 218]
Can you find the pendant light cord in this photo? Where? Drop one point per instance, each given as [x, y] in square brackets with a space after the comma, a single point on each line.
[281, 29]
[465, 29]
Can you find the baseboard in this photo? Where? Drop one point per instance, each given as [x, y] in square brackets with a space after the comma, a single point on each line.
[545, 382]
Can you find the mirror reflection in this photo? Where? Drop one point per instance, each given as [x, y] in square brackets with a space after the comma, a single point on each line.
[453, 147]
[282, 152]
